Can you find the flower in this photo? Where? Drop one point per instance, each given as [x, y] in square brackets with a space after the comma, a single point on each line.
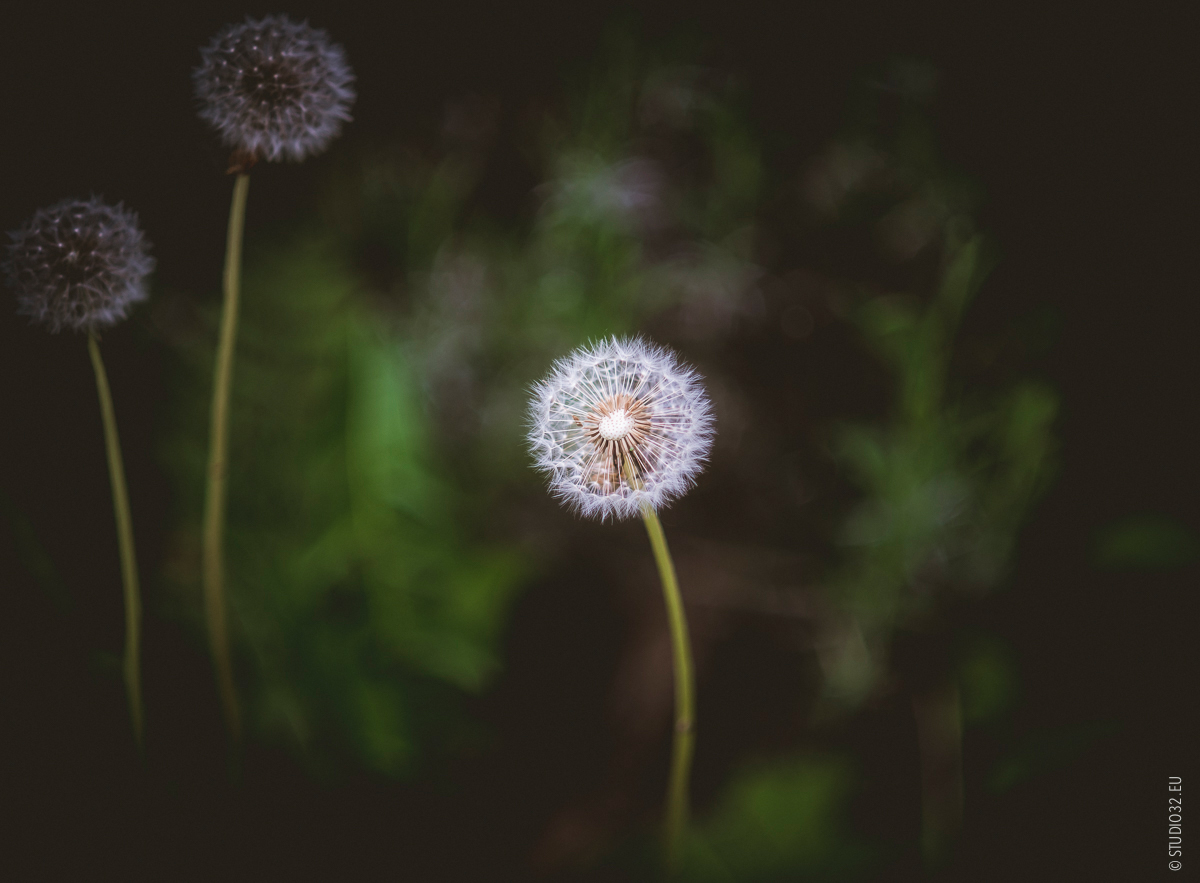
[79, 264]
[619, 425]
[274, 88]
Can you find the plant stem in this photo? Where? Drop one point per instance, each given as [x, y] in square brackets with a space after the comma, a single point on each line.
[129, 576]
[684, 734]
[218, 452]
[938, 714]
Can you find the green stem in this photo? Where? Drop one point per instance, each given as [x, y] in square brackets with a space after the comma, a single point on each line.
[129, 576]
[938, 714]
[218, 451]
[684, 735]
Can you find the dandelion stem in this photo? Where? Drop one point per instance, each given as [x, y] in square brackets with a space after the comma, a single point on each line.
[218, 451]
[129, 575]
[684, 732]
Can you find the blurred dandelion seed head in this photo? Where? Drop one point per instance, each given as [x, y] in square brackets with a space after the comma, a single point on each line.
[79, 264]
[620, 424]
[274, 88]
[630, 193]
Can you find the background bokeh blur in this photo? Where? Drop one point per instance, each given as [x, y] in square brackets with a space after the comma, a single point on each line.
[936, 573]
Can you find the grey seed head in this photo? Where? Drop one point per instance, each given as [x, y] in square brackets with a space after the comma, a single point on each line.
[274, 88]
[79, 264]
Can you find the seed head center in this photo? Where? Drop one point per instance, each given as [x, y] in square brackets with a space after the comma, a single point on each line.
[616, 425]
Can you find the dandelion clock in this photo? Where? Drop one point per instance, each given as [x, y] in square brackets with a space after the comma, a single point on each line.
[80, 265]
[621, 429]
[273, 89]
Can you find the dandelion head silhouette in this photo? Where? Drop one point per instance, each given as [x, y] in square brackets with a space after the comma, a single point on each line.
[79, 264]
[274, 88]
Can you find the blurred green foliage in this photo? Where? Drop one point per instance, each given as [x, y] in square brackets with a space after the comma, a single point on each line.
[946, 483]
[1145, 542]
[377, 454]
[33, 557]
[988, 679]
[380, 517]
[1045, 751]
[352, 566]
[947, 477]
[779, 820]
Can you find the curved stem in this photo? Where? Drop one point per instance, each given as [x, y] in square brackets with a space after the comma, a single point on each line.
[129, 576]
[218, 450]
[684, 735]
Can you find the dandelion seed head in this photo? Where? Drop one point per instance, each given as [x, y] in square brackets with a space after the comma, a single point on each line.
[79, 264]
[274, 88]
[630, 193]
[618, 425]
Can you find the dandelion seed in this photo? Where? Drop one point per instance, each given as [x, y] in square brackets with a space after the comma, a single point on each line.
[274, 88]
[619, 425]
[79, 264]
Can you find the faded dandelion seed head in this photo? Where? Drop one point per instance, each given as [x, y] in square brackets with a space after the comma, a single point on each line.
[79, 264]
[274, 88]
[618, 425]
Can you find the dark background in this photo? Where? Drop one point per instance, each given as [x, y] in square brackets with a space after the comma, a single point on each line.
[1075, 123]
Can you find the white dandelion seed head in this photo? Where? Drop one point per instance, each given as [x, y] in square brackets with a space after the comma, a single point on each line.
[274, 88]
[618, 425]
[79, 264]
